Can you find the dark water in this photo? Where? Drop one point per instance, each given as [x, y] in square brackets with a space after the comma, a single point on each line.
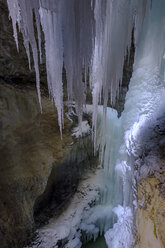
[99, 243]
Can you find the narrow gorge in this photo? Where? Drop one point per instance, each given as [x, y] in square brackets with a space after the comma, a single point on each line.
[82, 123]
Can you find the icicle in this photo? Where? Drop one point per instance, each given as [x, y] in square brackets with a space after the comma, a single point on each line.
[114, 24]
[78, 26]
[14, 14]
[21, 12]
[37, 17]
[84, 35]
[54, 55]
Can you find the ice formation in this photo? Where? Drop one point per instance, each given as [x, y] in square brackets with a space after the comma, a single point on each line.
[121, 235]
[90, 212]
[83, 128]
[86, 37]
[93, 37]
[68, 226]
[145, 100]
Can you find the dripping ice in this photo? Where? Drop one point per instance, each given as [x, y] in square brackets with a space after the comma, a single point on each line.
[101, 48]
[81, 36]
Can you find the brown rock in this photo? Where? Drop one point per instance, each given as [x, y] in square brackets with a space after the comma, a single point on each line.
[33, 161]
[150, 217]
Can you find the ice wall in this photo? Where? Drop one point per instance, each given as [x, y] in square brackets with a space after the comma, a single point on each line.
[109, 183]
[144, 101]
[86, 36]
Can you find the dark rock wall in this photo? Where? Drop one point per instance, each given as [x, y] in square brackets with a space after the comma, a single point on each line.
[29, 145]
[38, 170]
[127, 74]
[13, 64]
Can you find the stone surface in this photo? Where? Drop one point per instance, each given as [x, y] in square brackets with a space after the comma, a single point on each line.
[127, 74]
[14, 64]
[33, 162]
[150, 175]
[150, 218]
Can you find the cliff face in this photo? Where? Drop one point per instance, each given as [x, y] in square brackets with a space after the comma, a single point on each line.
[14, 64]
[36, 166]
[150, 171]
[150, 218]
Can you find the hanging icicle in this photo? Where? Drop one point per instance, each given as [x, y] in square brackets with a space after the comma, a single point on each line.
[84, 36]
[115, 21]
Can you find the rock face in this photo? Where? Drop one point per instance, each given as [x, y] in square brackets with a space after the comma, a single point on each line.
[14, 64]
[34, 162]
[150, 218]
[127, 74]
[150, 169]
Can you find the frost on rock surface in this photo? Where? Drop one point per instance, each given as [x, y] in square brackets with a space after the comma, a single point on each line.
[82, 129]
[85, 36]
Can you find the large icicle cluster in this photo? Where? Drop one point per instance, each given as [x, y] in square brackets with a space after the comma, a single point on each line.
[85, 36]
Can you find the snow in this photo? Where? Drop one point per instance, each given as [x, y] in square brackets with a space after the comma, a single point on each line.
[67, 227]
[121, 235]
[83, 128]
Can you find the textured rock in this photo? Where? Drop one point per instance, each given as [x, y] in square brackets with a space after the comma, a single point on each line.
[14, 64]
[150, 174]
[33, 160]
[150, 218]
[127, 74]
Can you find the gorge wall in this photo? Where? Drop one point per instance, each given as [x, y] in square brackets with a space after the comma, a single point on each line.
[38, 171]
[34, 159]
[150, 174]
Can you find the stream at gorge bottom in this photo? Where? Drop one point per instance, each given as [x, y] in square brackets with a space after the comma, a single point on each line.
[99, 243]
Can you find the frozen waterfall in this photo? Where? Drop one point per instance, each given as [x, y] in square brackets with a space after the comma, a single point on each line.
[144, 101]
[94, 36]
